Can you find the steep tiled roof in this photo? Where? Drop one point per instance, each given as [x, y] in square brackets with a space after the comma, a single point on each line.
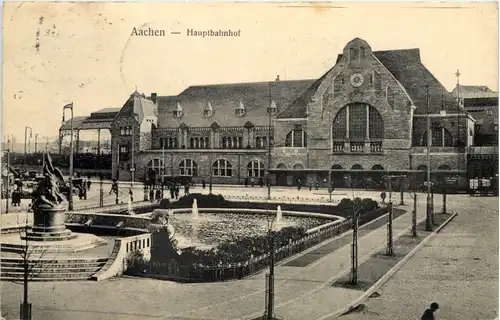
[225, 98]
[474, 92]
[408, 69]
[143, 108]
[298, 108]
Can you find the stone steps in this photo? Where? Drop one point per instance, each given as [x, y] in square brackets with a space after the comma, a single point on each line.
[52, 248]
[51, 269]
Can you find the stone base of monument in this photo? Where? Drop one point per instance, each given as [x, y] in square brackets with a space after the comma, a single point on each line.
[48, 225]
[17, 243]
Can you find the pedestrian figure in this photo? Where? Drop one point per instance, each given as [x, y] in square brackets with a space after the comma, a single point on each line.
[310, 187]
[429, 313]
[80, 192]
[176, 192]
[172, 192]
[158, 195]
[252, 182]
[88, 184]
[84, 192]
[151, 194]
[382, 196]
[186, 190]
[299, 184]
[203, 185]
[246, 182]
[131, 194]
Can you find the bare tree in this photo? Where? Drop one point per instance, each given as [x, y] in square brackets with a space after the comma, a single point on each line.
[32, 266]
[354, 210]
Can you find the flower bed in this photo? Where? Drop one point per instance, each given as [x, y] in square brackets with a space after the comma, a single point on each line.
[217, 201]
[243, 257]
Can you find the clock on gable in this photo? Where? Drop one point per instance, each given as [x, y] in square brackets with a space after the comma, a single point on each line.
[357, 79]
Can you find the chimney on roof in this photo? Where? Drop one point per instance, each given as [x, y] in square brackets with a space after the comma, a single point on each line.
[154, 96]
[278, 77]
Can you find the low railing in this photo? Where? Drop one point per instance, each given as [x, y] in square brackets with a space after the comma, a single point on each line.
[246, 198]
[375, 146]
[338, 147]
[118, 207]
[220, 271]
[240, 270]
[357, 146]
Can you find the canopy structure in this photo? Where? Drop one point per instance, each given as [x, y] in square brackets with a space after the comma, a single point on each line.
[98, 120]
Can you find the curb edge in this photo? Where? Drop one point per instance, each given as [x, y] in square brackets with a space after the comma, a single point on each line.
[388, 274]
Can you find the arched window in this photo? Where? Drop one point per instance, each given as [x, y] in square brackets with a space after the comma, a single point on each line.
[440, 138]
[337, 175]
[281, 166]
[361, 119]
[188, 167]
[378, 173]
[155, 168]
[191, 143]
[296, 138]
[222, 168]
[255, 169]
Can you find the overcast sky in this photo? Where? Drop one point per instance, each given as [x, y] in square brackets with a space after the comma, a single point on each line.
[55, 53]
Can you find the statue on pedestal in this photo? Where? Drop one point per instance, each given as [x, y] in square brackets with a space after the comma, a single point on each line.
[48, 213]
[47, 194]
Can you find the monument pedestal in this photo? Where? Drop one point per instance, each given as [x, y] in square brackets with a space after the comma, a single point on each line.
[49, 225]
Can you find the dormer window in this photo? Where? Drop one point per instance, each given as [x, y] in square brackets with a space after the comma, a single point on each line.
[240, 109]
[273, 109]
[208, 111]
[178, 110]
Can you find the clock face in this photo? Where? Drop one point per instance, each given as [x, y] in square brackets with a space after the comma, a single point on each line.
[357, 79]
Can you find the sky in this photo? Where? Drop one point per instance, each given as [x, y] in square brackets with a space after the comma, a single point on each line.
[55, 53]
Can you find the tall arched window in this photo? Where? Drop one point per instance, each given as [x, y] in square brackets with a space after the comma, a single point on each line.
[361, 119]
[255, 169]
[188, 167]
[296, 138]
[440, 138]
[222, 168]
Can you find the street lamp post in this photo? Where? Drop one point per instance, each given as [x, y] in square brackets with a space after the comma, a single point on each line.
[163, 168]
[70, 194]
[25, 140]
[7, 189]
[36, 142]
[428, 220]
[269, 112]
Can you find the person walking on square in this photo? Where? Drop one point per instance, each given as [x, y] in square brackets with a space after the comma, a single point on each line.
[203, 184]
[382, 196]
[429, 313]
[88, 184]
[158, 195]
[151, 194]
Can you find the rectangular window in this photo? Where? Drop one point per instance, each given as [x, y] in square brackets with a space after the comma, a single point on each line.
[337, 86]
[354, 55]
[377, 82]
[390, 97]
